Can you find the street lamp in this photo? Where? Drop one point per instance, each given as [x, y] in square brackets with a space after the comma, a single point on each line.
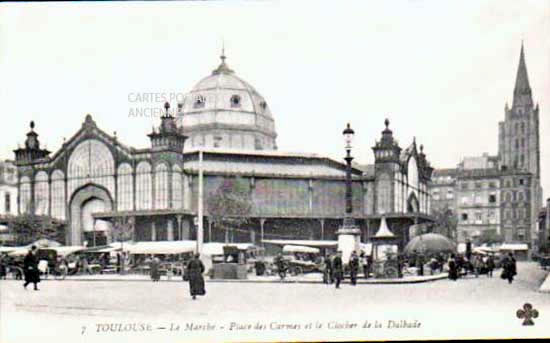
[349, 233]
[348, 138]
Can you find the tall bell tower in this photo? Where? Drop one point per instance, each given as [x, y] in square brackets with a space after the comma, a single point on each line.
[519, 143]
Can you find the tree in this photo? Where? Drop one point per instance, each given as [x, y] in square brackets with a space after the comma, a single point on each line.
[123, 230]
[489, 237]
[27, 228]
[231, 204]
[445, 222]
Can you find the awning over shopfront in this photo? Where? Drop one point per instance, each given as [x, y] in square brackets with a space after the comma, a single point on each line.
[303, 242]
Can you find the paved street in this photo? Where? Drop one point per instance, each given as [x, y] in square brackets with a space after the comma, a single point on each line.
[468, 302]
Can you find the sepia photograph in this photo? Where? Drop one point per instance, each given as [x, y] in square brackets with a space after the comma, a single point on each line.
[274, 171]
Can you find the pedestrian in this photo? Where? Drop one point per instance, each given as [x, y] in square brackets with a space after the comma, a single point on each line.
[476, 264]
[327, 277]
[337, 269]
[195, 269]
[281, 267]
[490, 266]
[509, 268]
[3, 268]
[365, 261]
[155, 269]
[453, 268]
[118, 262]
[420, 264]
[30, 268]
[353, 267]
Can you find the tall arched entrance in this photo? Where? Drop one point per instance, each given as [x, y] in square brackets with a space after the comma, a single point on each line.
[86, 201]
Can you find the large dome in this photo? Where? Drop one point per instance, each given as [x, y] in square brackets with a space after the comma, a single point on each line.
[223, 110]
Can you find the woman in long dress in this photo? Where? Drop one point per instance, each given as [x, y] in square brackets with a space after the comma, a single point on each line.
[155, 272]
[195, 268]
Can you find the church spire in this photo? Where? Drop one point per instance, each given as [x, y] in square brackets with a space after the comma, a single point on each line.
[522, 90]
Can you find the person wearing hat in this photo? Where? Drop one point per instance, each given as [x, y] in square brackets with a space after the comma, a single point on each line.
[195, 268]
[30, 268]
[354, 267]
[338, 269]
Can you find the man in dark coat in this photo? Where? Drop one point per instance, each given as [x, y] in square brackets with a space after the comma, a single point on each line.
[328, 270]
[453, 268]
[155, 269]
[281, 266]
[195, 268]
[30, 268]
[337, 269]
[353, 267]
[509, 268]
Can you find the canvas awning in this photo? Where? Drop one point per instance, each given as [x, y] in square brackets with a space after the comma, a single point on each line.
[64, 251]
[6, 249]
[307, 243]
[513, 246]
[161, 248]
[300, 249]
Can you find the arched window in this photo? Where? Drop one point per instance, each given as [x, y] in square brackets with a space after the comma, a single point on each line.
[199, 101]
[58, 194]
[161, 186]
[91, 158]
[143, 186]
[25, 195]
[522, 127]
[235, 101]
[41, 193]
[177, 187]
[412, 170]
[125, 188]
[91, 161]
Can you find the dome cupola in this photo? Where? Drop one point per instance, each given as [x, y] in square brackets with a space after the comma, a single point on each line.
[224, 111]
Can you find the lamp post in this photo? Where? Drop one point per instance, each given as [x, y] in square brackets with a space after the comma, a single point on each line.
[349, 233]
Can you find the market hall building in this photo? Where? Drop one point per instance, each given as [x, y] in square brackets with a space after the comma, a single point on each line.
[94, 182]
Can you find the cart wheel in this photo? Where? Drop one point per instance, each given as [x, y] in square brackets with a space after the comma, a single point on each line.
[390, 272]
[297, 271]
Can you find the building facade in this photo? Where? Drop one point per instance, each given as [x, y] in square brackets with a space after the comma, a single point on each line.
[501, 194]
[8, 198]
[97, 184]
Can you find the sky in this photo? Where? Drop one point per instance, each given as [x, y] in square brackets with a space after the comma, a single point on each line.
[440, 71]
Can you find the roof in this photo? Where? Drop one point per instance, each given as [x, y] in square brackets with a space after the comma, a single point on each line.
[445, 172]
[267, 163]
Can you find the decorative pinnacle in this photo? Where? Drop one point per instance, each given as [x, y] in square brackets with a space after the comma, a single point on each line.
[32, 125]
[421, 148]
[387, 122]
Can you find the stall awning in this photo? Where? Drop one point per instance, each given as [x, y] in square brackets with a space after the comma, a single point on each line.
[162, 247]
[307, 243]
[7, 249]
[514, 247]
[300, 248]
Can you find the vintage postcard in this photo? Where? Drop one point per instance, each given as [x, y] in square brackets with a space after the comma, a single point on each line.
[274, 171]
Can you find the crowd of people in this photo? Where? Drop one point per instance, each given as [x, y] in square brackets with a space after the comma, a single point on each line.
[460, 265]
